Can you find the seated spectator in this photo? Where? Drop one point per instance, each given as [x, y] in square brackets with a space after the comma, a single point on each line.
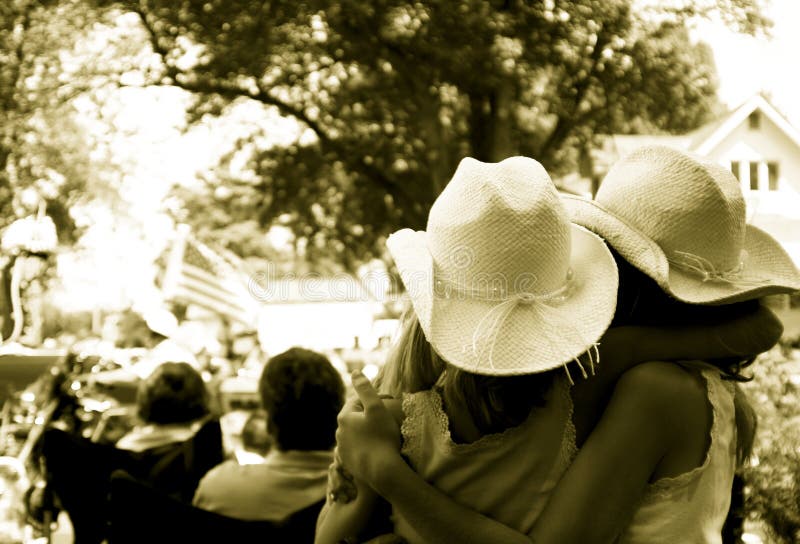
[171, 447]
[302, 394]
[172, 404]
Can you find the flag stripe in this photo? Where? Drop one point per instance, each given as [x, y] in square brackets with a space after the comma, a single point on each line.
[222, 297]
[198, 275]
[212, 304]
[192, 296]
[202, 281]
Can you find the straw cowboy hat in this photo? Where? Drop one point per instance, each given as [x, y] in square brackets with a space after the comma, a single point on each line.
[680, 219]
[501, 281]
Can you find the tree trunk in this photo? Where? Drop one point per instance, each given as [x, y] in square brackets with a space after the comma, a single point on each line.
[491, 123]
[440, 160]
[502, 102]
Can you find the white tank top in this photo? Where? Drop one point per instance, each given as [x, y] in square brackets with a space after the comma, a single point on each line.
[691, 508]
[507, 476]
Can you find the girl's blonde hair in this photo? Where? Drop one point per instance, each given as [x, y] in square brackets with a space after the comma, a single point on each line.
[412, 364]
[494, 403]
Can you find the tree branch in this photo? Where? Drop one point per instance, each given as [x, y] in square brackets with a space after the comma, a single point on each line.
[566, 121]
[347, 154]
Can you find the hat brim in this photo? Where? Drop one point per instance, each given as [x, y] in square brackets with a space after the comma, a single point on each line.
[767, 270]
[535, 337]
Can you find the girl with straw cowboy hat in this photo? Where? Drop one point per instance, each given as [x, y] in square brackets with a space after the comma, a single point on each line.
[509, 301]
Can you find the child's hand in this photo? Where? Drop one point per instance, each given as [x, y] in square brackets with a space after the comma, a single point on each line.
[367, 442]
[341, 487]
[751, 334]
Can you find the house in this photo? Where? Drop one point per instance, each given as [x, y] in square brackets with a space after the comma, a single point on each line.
[761, 148]
[317, 312]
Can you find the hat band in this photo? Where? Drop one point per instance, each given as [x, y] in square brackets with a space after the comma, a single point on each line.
[706, 271]
[495, 289]
[487, 331]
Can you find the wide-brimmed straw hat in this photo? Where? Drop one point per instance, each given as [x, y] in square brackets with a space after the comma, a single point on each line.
[501, 281]
[681, 219]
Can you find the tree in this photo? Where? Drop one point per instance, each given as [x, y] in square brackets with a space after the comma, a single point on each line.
[44, 150]
[36, 150]
[389, 95]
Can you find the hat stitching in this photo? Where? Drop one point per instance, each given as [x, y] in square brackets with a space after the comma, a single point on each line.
[497, 314]
[691, 263]
[521, 248]
[626, 198]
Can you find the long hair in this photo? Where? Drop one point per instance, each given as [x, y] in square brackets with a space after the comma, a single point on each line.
[412, 364]
[494, 403]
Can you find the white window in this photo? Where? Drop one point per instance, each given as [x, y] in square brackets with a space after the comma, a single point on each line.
[736, 167]
[754, 176]
[773, 173]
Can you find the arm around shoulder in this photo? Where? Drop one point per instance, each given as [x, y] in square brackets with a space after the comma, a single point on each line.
[598, 494]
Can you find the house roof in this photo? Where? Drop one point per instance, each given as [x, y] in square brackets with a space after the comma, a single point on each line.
[705, 138]
[727, 124]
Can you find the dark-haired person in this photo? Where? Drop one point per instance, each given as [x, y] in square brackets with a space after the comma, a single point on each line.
[302, 394]
[172, 408]
[172, 404]
[658, 466]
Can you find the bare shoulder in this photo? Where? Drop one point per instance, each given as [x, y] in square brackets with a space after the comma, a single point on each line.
[667, 391]
[660, 378]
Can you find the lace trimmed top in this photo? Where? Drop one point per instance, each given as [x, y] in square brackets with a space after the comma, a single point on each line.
[507, 476]
[691, 508]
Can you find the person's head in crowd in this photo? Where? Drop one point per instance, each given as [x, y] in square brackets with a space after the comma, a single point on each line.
[132, 331]
[173, 393]
[254, 434]
[302, 394]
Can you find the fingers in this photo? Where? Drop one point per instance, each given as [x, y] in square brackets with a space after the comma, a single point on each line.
[752, 333]
[341, 486]
[353, 404]
[764, 331]
[773, 326]
[369, 397]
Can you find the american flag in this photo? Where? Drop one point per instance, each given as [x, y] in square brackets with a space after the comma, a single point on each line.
[198, 275]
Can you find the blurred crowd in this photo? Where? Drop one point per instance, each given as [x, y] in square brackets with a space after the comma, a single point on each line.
[201, 414]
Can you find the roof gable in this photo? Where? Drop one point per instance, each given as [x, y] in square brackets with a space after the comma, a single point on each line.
[707, 137]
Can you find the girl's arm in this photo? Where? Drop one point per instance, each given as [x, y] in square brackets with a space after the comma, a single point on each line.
[343, 522]
[624, 347]
[743, 337]
[594, 500]
[656, 408]
[369, 442]
[346, 519]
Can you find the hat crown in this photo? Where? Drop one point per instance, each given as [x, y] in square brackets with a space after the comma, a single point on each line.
[500, 226]
[684, 203]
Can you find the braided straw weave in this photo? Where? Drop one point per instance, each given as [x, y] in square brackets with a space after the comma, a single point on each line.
[501, 281]
[681, 219]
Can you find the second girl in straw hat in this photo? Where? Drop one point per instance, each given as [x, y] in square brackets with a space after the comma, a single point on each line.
[509, 302]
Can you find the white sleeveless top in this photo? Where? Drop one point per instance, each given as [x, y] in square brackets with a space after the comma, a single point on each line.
[691, 508]
[507, 476]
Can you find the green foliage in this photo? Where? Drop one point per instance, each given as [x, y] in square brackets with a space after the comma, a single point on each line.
[42, 147]
[392, 94]
[773, 479]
